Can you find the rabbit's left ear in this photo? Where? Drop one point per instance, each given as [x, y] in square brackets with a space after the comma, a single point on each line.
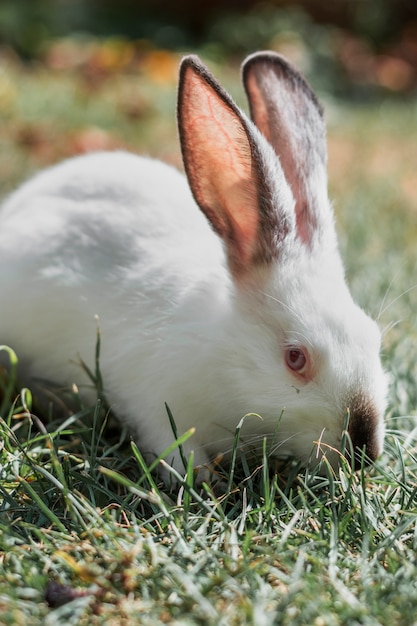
[225, 167]
[287, 113]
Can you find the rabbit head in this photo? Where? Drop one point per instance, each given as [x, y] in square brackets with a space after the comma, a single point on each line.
[310, 364]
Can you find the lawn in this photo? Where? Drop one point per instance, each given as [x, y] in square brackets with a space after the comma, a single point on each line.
[86, 534]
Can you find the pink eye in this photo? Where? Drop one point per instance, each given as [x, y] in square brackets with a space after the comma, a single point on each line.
[296, 359]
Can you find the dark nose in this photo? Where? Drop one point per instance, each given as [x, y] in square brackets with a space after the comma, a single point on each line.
[363, 429]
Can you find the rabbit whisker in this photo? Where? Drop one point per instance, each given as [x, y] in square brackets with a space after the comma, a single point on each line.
[389, 327]
[385, 308]
[384, 299]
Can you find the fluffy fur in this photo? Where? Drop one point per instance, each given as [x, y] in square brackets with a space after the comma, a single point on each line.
[200, 311]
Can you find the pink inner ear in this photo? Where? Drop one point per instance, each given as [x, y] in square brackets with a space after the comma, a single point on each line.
[218, 160]
[259, 110]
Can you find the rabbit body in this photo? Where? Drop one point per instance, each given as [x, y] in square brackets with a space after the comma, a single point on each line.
[152, 270]
[218, 315]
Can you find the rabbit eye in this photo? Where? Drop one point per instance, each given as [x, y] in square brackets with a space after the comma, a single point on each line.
[296, 359]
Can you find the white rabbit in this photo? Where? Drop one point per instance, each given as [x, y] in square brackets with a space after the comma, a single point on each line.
[240, 307]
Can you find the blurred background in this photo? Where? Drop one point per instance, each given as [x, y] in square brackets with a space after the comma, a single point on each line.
[81, 75]
[357, 51]
[77, 75]
[353, 46]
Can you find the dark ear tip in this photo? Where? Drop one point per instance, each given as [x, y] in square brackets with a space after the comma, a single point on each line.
[267, 57]
[269, 60]
[194, 62]
[191, 59]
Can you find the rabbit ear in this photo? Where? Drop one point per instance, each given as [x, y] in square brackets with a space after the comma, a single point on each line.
[225, 170]
[289, 116]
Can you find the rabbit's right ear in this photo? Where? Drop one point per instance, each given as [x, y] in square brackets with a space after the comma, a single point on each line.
[226, 170]
[287, 113]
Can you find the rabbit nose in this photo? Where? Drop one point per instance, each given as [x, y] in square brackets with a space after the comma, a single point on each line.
[363, 432]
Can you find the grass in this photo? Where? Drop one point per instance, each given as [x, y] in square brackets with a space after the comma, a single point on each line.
[89, 536]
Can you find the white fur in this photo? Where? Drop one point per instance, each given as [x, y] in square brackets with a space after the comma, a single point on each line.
[120, 236]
